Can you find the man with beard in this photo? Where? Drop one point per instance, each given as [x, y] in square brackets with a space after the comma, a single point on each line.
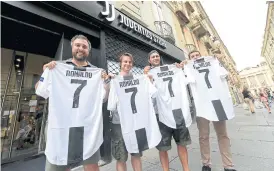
[81, 47]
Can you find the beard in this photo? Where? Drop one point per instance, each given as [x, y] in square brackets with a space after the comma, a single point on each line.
[79, 58]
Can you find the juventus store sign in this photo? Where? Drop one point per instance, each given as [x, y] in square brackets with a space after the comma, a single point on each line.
[129, 24]
[112, 18]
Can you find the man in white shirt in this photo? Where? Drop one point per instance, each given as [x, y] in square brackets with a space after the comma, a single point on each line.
[221, 131]
[81, 47]
[181, 136]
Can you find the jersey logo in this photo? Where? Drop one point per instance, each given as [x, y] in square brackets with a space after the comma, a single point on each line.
[164, 68]
[41, 79]
[128, 77]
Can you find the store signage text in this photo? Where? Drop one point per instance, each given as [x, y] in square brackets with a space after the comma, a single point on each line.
[137, 28]
[128, 23]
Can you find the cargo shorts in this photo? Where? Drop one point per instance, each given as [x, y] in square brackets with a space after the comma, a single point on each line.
[118, 147]
[181, 137]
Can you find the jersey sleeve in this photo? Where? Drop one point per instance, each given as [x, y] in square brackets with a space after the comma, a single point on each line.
[112, 98]
[221, 69]
[189, 74]
[44, 84]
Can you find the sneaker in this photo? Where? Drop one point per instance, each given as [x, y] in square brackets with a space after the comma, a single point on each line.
[102, 163]
[206, 168]
[230, 170]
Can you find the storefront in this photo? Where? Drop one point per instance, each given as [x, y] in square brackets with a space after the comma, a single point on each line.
[34, 33]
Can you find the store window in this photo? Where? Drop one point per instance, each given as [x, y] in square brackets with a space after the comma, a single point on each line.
[22, 112]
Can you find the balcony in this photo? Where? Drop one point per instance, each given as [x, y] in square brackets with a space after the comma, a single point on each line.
[196, 25]
[216, 51]
[209, 44]
[165, 31]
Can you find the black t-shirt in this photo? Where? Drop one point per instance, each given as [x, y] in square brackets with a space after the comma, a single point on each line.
[246, 94]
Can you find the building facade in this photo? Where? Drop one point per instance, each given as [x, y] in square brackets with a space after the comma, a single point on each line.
[187, 26]
[257, 78]
[268, 42]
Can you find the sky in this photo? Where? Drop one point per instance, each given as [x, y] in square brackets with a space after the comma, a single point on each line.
[241, 25]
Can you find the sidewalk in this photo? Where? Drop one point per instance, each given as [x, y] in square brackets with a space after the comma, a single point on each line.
[252, 140]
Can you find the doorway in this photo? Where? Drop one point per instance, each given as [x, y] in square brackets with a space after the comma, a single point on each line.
[25, 48]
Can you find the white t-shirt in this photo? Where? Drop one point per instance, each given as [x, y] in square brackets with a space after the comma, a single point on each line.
[132, 97]
[172, 99]
[75, 100]
[209, 88]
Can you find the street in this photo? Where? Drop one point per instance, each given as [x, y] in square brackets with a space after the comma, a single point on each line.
[252, 140]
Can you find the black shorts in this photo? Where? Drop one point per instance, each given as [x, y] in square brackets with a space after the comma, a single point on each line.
[181, 137]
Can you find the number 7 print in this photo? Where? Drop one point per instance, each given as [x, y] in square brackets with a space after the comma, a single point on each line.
[206, 77]
[132, 98]
[77, 91]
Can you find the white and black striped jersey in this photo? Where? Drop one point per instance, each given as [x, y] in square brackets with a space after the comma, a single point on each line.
[210, 91]
[172, 99]
[132, 96]
[75, 130]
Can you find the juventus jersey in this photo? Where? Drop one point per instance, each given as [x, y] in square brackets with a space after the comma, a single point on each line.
[75, 130]
[209, 88]
[132, 97]
[172, 99]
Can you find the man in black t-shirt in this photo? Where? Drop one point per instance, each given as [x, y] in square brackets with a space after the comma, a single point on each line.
[248, 98]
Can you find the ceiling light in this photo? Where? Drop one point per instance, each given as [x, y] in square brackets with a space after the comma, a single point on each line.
[18, 59]
[17, 65]
[18, 71]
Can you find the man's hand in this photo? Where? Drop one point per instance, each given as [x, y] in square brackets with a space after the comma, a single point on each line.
[49, 65]
[104, 75]
[182, 64]
[150, 78]
[111, 75]
[179, 65]
[146, 69]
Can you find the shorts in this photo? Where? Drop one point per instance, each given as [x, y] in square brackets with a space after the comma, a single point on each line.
[94, 159]
[181, 137]
[118, 147]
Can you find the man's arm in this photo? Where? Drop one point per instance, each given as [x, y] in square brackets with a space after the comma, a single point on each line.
[107, 88]
[36, 85]
[49, 65]
[107, 79]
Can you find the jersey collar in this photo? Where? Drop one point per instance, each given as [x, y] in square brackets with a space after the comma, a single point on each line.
[69, 61]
